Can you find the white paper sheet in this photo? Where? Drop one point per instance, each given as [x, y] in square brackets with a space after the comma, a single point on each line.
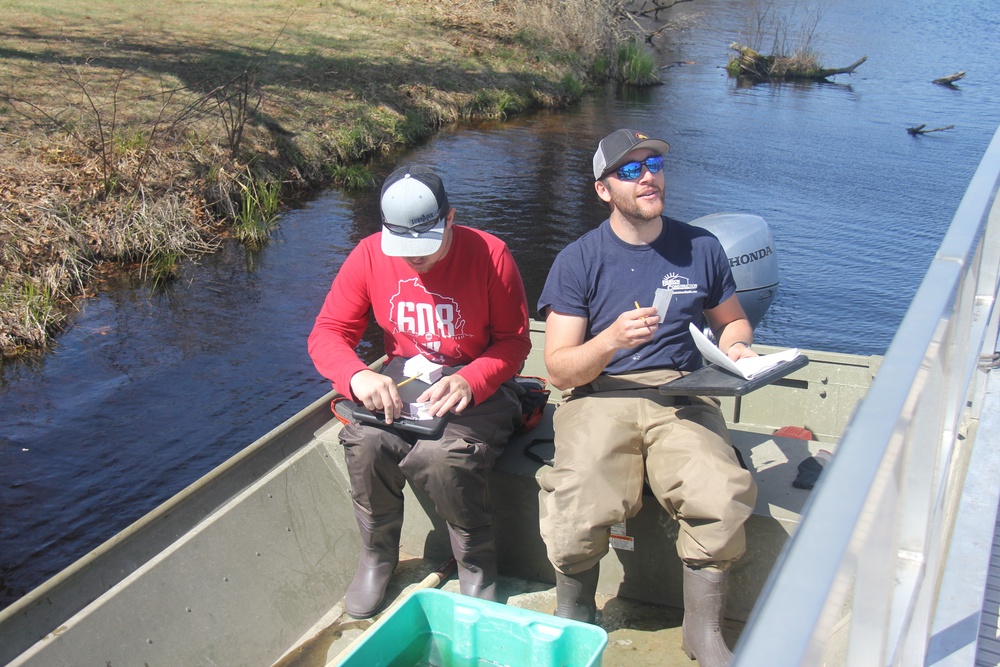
[748, 368]
[423, 368]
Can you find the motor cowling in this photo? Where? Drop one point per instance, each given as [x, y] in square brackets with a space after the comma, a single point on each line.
[749, 246]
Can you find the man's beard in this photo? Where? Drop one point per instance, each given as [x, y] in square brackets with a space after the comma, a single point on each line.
[638, 212]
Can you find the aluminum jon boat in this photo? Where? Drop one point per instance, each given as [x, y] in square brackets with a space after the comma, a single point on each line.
[886, 562]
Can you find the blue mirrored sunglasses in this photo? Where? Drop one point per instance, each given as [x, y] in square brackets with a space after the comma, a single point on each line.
[630, 171]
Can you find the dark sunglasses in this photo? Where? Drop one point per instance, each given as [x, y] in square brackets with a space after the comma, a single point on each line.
[630, 171]
[414, 229]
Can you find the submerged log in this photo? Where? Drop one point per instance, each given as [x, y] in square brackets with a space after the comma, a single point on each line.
[919, 129]
[748, 62]
[950, 79]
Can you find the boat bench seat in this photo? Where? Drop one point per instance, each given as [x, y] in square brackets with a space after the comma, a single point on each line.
[651, 570]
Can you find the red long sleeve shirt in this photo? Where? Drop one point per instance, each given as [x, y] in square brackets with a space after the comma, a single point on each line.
[469, 308]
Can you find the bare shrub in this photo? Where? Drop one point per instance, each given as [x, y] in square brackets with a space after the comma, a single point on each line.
[237, 102]
[96, 109]
[788, 37]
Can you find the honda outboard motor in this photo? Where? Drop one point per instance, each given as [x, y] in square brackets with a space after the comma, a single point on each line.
[747, 241]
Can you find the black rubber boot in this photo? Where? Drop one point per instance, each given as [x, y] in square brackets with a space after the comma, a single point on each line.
[476, 556]
[379, 557]
[704, 603]
[576, 595]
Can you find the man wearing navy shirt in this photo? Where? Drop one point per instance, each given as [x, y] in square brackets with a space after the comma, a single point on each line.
[609, 349]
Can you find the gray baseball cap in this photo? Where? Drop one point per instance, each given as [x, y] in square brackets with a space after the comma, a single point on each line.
[613, 148]
[414, 209]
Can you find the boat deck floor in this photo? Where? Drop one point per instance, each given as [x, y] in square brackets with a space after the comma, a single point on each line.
[639, 634]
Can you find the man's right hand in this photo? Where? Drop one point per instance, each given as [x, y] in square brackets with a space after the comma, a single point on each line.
[633, 327]
[571, 362]
[378, 393]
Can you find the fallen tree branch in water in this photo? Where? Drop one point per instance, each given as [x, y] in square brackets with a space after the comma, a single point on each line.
[919, 129]
[823, 73]
[950, 79]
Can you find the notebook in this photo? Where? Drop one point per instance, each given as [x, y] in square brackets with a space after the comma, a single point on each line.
[409, 393]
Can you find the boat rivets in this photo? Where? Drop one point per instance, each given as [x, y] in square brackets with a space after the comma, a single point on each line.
[188, 609]
[225, 578]
[824, 379]
[258, 553]
[149, 641]
[822, 393]
[270, 496]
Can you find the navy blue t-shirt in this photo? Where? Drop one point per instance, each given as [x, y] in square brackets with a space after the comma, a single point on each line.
[599, 277]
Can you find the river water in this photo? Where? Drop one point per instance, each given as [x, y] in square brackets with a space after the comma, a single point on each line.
[147, 391]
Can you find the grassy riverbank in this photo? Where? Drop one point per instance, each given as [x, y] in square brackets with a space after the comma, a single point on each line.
[134, 134]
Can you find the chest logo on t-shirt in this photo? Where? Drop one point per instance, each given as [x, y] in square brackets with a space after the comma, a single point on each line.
[679, 284]
[429, 318]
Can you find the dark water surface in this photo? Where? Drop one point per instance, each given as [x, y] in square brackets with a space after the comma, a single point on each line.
[147, 391]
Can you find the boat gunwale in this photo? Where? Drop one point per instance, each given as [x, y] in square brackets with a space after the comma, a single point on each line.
[213, 490]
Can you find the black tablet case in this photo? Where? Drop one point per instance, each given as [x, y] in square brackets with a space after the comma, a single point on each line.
[409, 393]
[712, 380]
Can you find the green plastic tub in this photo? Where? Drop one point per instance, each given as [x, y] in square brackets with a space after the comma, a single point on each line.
[434, 628]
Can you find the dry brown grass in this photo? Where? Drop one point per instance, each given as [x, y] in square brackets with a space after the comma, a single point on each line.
[126, 128]
[586, 27]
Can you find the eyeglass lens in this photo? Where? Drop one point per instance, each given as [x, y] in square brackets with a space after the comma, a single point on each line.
[415, 229]
[633, 170]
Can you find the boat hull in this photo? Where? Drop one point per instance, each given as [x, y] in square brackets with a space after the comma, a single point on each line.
[245, 563]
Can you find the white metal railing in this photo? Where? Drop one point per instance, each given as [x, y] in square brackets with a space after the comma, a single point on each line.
[857, 582]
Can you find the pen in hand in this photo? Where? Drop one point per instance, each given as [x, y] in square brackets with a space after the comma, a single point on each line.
[409, 379]
[643, 317]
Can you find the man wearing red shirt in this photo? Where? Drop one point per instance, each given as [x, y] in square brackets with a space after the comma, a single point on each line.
[454, 295]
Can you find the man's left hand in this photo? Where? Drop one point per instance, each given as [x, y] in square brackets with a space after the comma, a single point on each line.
[740, 351]
[451, 393]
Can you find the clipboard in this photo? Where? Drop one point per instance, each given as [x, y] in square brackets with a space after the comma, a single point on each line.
[409, 393]
[711, 380]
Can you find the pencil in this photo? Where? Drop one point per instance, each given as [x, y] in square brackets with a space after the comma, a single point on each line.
[407, 380]
[643, 317]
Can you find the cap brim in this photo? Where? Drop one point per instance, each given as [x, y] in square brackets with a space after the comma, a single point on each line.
[658, 146]
[413, 245]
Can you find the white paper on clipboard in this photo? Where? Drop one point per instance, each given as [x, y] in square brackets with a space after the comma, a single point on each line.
[749, 367]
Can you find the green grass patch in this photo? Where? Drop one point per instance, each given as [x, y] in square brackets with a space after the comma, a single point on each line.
[495, 104]
[259, 199]
[636, 64]
[31, 314]
[352, 177]
[571, 87]
[161, 269]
